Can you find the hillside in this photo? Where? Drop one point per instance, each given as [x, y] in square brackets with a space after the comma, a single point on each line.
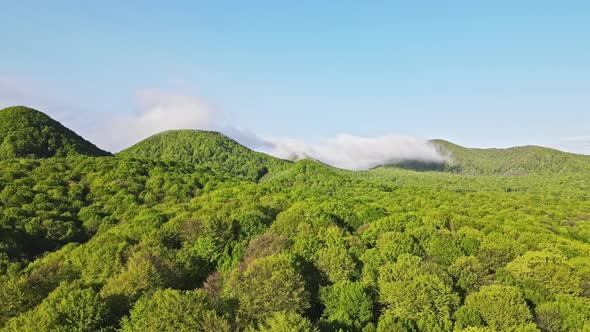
[206, 148]
[515, 161]
[173, 234]
[512, 161]
[28, 133]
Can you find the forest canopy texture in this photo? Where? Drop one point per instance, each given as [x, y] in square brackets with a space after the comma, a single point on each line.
[191, 231]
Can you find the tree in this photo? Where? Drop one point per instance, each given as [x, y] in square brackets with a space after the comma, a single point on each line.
[264, 245]
[389, 322]
[466, 317]
[271, 284]
[566, 313]
[500, 307]
[144, 272]
[348, 305]
[443, 247]
[70, 307]
[468, 273]
[393, 244]
[336, 263]
[412, 293]
[547, 268]
[79, 310]
[281, 321]
[371, 261]
[496, 250]
[173, 310]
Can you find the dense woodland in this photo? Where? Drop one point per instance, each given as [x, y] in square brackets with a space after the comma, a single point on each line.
[189, 231]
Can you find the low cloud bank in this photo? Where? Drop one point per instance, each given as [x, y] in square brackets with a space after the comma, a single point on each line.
[357, 152]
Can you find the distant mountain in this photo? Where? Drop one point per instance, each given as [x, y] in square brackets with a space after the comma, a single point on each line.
[512, 161]
[207, 148]
[28, 133]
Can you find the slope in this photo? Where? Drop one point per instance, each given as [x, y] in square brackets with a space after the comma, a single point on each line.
[520, 160]
[28, 133]
[207, 148]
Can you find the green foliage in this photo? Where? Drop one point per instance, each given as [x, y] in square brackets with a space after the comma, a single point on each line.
[466, 317]
[468, 273]
[496, 250]
[390, 322]
[443, 247]
[27, 133]
[514, 161]
[393, 244]
[500, 307]
[268, 285]
[410, 291]
[336, 263]
[567, 313]
[549, 269]
[206, 148]
[172, 310]
[348, 305]
[66, 309]
[189, 230]
[283, 322]
[144, 272]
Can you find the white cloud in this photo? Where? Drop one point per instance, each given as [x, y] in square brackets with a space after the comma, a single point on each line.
[157, 111]
[357, 152]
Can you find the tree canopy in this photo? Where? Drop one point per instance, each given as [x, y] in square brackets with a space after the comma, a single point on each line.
[184, 232]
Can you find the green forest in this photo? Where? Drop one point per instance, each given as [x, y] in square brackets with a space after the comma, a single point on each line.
[190, 231]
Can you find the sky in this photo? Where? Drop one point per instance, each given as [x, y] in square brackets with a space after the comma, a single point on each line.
[309, 77]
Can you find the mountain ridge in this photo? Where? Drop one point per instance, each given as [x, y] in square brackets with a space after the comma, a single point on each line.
[29, 133]
[513, 161]
[519, 160]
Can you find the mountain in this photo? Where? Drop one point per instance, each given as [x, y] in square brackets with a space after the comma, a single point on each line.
[522, 160]
[173, 234]
[28, 133]
[207, 148]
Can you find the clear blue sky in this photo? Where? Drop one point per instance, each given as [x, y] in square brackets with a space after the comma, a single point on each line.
[481, 73]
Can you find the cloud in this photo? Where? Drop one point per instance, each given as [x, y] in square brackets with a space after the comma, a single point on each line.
[157, 111]
[357, 152]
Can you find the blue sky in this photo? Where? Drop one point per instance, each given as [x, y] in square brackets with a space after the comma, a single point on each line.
[479, 73]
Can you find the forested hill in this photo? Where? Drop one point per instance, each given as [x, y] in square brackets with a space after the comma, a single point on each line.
[206, 148]
[173, 234]
[28, 133]
[522, 160]
[512, 161]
